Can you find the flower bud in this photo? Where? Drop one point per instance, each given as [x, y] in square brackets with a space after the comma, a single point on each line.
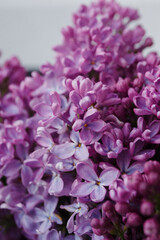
[95, 223]
[151, 227]
[143, 188]
[152, 166]
[132, 181]
[134, 220]
[147, 208]
[122, 208]
[154, 178]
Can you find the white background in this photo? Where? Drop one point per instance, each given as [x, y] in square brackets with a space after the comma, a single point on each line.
[29, 28]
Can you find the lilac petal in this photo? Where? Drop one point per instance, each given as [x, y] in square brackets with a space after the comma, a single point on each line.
[81, 153]
[55, 98]
[11, 168]
[144, 155]
[140, 112]
[156, 139]
[35, 163]
[86, 172]
[26, 175]
[31, 202]
[45, 226]
[135, 133]
[84, 227]
[43, 137]
[70, 208]
[108, 176]
[70, 223]
[140, 102]
[85, 102]
[43, 110]
[154, 128]
[157, 84]
[123, 160]
[50, 204]
[87, 54]
[38, 153]
[112, 101]
[56, 218]
[97, 126]
[56, 185]
[138, 166]
[96, 237]
[41, 236]
[64, 151]
[98, 147]
[38, 174]
[141, 124]
[74, 137]
[90, 115]
[39, 215]
[78, 124]
[86, 66]
[136, 146]
[109, 141]
[86, 135]
[82, 189]
[22, 150]
[52, 235]
[85, 86]
[56, 109]
[29, 225]
[98, 194]
[75, 98]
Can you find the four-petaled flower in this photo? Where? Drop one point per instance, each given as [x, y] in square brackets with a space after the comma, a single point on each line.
[93, 185]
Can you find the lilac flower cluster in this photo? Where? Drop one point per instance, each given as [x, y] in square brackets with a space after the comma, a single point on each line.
[79, 140]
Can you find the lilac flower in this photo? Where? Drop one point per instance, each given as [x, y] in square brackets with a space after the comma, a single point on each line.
[93, 185]
[67, 165]
[76, 148]
[46, 217]
[151, 133]
[91, 127]
[50, 109]
[76, 208]
[138, 152]
[6, 152]
[15, 133]
[44, 138]
[56, 184]
[92, 61]
[82, 126]
[82, 94]
[124, 160]
[111, 144]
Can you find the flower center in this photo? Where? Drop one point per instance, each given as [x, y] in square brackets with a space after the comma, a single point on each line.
[98, 183]
[85, 125]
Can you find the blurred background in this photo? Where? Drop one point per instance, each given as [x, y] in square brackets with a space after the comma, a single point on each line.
[30, 28]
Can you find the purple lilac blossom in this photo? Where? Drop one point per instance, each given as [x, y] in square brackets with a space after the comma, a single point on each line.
[79, 140]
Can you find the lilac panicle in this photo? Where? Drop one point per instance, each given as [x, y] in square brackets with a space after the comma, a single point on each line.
[79, 140]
